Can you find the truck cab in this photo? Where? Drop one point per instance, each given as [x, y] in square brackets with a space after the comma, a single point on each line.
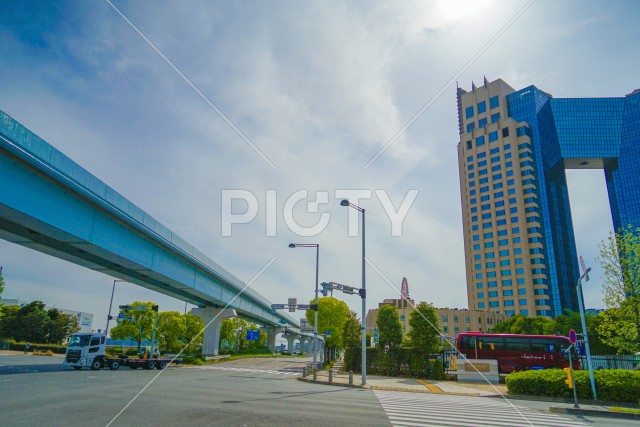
[86, 349]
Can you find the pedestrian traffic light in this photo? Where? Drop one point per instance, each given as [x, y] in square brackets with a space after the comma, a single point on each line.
[569, 380]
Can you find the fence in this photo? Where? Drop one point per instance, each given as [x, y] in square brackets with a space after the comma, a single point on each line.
[612, 362]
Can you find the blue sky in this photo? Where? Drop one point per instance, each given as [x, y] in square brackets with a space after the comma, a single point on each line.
[319, 88]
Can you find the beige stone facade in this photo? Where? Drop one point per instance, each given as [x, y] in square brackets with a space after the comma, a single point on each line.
[452, 320]
[501, 220]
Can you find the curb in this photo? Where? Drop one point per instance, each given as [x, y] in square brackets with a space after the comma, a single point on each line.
[311, 381]
[594, 412]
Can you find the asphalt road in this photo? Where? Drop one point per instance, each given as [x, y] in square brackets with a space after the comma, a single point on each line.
[258, 392]
[45, 394]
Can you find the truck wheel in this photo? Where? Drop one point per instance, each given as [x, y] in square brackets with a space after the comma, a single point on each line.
[77, 368]
[150, 364]
[96, 364]
[161, 365]
[114, 365]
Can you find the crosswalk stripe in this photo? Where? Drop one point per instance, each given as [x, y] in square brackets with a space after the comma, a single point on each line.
[412, 410]
[265, 371]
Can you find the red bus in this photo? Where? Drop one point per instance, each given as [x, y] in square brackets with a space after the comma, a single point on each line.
[518, 352]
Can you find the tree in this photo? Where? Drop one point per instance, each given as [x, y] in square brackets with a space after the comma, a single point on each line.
[193, 327]
[140, 327]
[620, 261]
[171, 327]
[61, 326]
[352, 331]
[521, 324]
[389, 327]
[332, 314]
[425, 329]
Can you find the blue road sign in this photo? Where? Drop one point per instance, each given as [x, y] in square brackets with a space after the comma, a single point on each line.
[121, 315]
[252, 334]
[328, 333]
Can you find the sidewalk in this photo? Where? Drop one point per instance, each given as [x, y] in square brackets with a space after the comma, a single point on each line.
[377, 382]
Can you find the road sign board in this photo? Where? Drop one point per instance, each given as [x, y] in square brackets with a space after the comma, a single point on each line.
[572, 336]
[278, 306]
[252, 334]
[304, 306]
[120, 315]
[292, 302]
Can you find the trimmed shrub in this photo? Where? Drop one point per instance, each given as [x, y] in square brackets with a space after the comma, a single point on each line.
[19, 346]
[612, 385]
[396, 362]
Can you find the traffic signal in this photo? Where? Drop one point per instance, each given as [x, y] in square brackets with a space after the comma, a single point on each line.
[326, 287]
[569, 380]
[125, 308]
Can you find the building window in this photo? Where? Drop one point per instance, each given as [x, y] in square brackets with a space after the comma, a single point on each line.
[480, 305]
[505, 132]
[493, 136]
[507, 293]
[494, 304]
[508, 303]
[506, 282]
[494, 102]
[506, 273]
[479, 285]
[480, 141]
[480, 295]
[522, 291]
[521, 131]
[482, 123]
[522, 301]
[492, 284]
[493, 294]
[469, 112]
[490, 265]
[495, 117]
[482, 107]
[505, 263]
[470, 127]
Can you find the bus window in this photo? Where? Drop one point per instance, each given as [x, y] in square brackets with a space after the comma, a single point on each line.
[466, 342]
[516, 344]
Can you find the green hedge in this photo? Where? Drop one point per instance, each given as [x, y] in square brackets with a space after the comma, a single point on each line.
[396, 362]
[612, 385]
[19, 346]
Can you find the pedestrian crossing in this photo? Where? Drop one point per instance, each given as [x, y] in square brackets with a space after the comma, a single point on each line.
[253, 370]
[417, 409]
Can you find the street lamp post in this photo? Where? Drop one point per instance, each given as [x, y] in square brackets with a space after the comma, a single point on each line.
[346, 202]
[314, 345]
[113, 289]
[584, 332]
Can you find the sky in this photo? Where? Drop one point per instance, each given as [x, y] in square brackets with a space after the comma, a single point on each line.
[180, 105]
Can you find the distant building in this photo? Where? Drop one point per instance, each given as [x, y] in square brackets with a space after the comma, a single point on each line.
[85, 320]
[452, 320]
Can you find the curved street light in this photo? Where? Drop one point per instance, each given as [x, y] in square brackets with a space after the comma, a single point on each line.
[347, 203]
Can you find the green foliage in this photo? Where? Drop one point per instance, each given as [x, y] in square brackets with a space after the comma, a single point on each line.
[140, 327]
[332, 315]
[19, 346]
[193, 327]
[620, 261]
[233, 337]
[171, 326]
[425, 328]
[397, 362]
[389, 327]
[620, 327]
[612, 385]
[352, 331]
[35, 324]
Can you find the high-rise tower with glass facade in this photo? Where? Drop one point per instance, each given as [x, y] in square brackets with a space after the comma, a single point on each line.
[514, 148]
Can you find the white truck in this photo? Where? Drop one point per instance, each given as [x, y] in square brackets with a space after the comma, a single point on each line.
[88, 350]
